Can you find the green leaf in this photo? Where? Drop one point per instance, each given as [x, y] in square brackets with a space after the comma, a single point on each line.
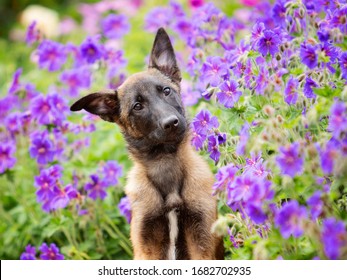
[327, 91]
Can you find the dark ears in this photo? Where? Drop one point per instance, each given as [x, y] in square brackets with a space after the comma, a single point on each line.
[163, 57]
[103, 104]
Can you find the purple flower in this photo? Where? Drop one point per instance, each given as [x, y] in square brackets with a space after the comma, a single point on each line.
[229, 94]
[213, 70]
[190, 97]
[125, 208]
[339, 17]
[50, 109]
[205, 13]
[115, 26]
[244, 136]
[289, 160]
[226, 32]
[329, 155]
[308, 55]
[212, 147]
[256, 213]
[45, 183]
[33, 34]
[13, 122]
[184, 28]
[316, 204]
[50, 252]
[257, 33]
[309, 84]
[59, 107]
[333, 237]
[6, 104]
[29, 253]
[91, 50]
[62, 197]
[343, 64]
[262, 80]
[279, 12]
[76, 53]
[338, 119]
[268, 43]
[112, 171]
[41, 147]
[7, 159]
[204, 122]
[196, 3]
[290, 219]
[224, 178]
[116, 61]
[96, 188]
[158, 17]
[193, 61]
[198, 140]
[256, 166]
[15, 86]
[52, 55]
[290, 92]
[323, 34]
[240, 189]
[76, 79]
[41, 109]
[248, 193]
[222, 138]
[329, 51]
[177, 9]
[233, 56]
[232, 239]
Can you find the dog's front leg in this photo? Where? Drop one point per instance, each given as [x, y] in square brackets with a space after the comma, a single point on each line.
[200, 240]
[150, 237]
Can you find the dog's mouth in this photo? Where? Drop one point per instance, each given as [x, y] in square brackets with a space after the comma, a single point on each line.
[159, 136]
[170, 138]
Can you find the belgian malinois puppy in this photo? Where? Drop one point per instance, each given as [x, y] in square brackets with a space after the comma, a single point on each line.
[169, 186]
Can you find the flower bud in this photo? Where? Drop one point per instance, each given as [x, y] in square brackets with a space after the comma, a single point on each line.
[279, 118]
[220, 227]
[301, 77]
[298, 25]
[265, 136]
[288, 5]
[312, 151]
[268, 110]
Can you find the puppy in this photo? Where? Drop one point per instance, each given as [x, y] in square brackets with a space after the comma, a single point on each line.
[169, 186]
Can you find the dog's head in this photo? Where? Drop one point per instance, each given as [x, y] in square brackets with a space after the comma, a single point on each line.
[148, 105]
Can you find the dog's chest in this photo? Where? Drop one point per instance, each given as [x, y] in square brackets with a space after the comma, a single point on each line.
[167, 177]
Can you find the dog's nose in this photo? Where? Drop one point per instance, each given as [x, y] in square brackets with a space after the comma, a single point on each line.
[169, 122]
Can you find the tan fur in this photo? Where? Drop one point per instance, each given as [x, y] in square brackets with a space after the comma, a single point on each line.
[196, 193]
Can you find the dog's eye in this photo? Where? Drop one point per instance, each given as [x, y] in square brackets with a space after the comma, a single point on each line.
[166, 91]
[138, 106]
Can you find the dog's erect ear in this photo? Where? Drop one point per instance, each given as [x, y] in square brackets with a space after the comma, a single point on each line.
[163, 57]
[103, 104]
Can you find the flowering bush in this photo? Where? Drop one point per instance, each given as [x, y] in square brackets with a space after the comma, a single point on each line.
[266, 92]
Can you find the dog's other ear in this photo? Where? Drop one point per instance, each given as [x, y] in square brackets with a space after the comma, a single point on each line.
[103, 104]
[163, 57]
